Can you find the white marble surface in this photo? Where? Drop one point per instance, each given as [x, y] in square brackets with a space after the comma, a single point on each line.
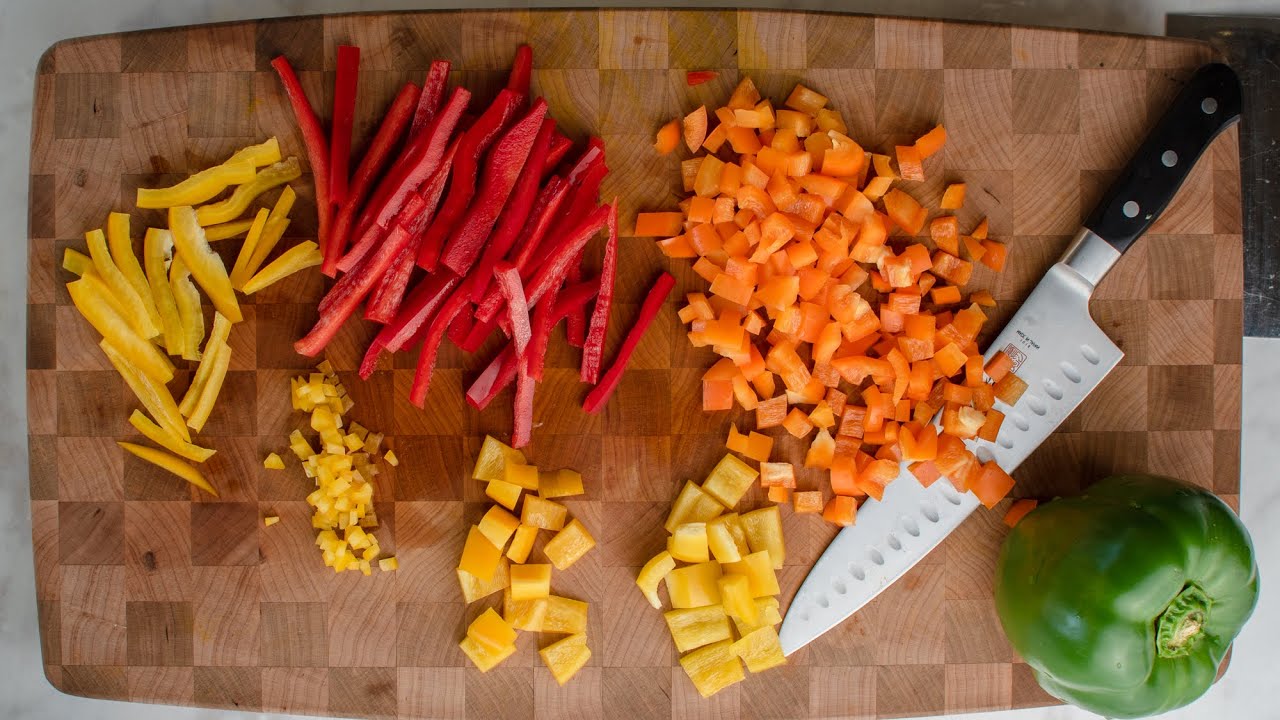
[28, 27]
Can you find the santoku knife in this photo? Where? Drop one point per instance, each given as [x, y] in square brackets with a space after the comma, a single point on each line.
[1056, 348]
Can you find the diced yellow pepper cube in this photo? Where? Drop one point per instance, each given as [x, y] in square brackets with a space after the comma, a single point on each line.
[273, 462]
[729, 480]
[490, 630]
[763, 528]
[692, 628]
[388, 564]
[565, 615]
[713, 668]
[503, 493]
[352, 441]
[485, 658]
[473, 589]
[739, 534]
[526, 476]
[689, 543]
[529, 582]
[694, 585]
[559, 483]
[522, 543]
[735, 593]
[692, 505]
[758, 569]
[760, 649]
[357, 538]
[569, 545]
[653, 573]
[566, 657]
[493, 459]
[720, 539]
[545, 514]
[479, 556]
[270, 520]
[525, 615]
[767, 608]
[391, 458]
[497, 525]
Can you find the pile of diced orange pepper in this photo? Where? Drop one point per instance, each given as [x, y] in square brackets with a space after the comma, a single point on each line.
[796, 229]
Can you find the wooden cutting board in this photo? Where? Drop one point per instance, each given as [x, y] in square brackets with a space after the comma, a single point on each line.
[150, 592]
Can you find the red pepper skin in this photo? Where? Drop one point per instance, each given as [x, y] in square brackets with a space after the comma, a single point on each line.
[560, 146]
[593, 350]
[585, 197]
[344, 115]
[414, 312]
[502, 169]
[545, 210]
[508, 279]
[521, 71]
[462, 186]
[414, 206]
[516, 213]
[313, 137]
[432, 95]
[560, 258]
[544, 319]
[375, 158]
[431, 346]
[600, 394]
[476, 335]
[522, 427]
[460, 327]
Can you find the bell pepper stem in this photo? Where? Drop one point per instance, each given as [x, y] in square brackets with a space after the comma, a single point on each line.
[1180, 626]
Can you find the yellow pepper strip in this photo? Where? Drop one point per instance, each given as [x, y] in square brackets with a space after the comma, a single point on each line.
[264, 153]
[240, 271]
[168, 440]
[232, 207]
[277, 223]
[93, 299]
[156, 246]
[299, 257]
[220, 356]
[221, 331]
[121, 246]
[154, 396]
[205, 265]
[134, 311]
[171, 463]
[198, 188]
[187, 298]
[76, 262]
[227, 230]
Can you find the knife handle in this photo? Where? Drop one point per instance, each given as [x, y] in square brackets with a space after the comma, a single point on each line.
[1208, 104]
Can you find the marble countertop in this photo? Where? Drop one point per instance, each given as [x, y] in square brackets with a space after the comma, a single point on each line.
[28, 27]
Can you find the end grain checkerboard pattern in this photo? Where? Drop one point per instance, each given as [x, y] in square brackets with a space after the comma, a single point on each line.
[149, 592]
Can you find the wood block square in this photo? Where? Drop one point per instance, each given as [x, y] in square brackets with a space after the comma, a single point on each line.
[42, 452]
[842, 692]
[226, 602]
[1175, 332]
[295, 690]
[429, 633]
[1226, 461]
[1127, 323]
[547, 28]
[238, 687]
[92, 628]
[505, 692]
[1040, 474]
[295, 38]
[908, 44]
[1035, 255]
[91, 533]
[224, 533]
[853, 93]
[581, 698]
[633, 39]
[1044, 48]
[687, 703]
[448, 409]
[850, 643]
[1188, 213]
[1120, 402]
[1046, 191]
[85, 398]
[159, 633]
[700, 39]
[153, 123]
[294, 634]
[41, 342]
[89, 469]
[158, 551]
[1226, 397]
[1228, 325]
[87, 183]
[908, 690]
[362, 620]
[1226, 202]
[282, 320]
[1180, 397]
[489, 38]
[971, 552]
[167, 685]
[979, 126]
[93, 681]
[291, 569]
[905, 636]
[1177, 264]
[1184, 454]
[774, 40]
[158, 51]
[576, 452]
[430, 536]
[437, 463]
[633, 535]
[974, 634]
[635, 634]
[908, 103]
[642, 693]
[221, 110]
[630, 96]
[223, 48]
[784, 693]
[1112, 51]
[979, 687]
[40, 213]
[88, 55]
[1228, 267]
[419, 38]
[144, 481]
[1113, 453]
[1046, 102]
[1026, 691]
[1113, 116]
[967, 45]
[432, 692]
[638, 468]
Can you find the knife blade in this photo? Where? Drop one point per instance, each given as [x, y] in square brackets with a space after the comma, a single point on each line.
[1056, 347]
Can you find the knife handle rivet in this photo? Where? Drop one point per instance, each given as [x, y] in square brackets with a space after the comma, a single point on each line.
[1169, 158]
[1130, 209]
[1209, 106]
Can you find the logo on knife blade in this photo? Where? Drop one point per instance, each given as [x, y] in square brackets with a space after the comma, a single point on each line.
[1017, 356]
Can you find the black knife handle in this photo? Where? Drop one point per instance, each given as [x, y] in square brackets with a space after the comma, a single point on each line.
[1208, 104]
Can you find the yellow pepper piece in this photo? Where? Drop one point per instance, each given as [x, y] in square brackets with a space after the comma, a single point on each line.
[497, 525]
[526, 476]
[566, 657]
[190, 316]
[713, 668]
[652, 574]
[568, 545]
[484, 657]
[156, 247]
[92, 299]
[491, 464]
[299, 257]
[490, 630]
[121, 246]
[198, 188]
[565, 615]
[227, 230]
[264, 153]
[267, 178]
[270, 520]
[735, 594]
[503, 493]
[758, 569]
[273, 462]
[559, 483]
[479, 556]
[529, 582]
[217, 338]
[729, 480]
[689, 543]
[391, 459]
[473, 589]
[694, 585]
[221, 359]
[763, 529]
[153, 395]
[720, 540]
[388, 564]
[205, 265]
[544, 514]
[76, 262]
[277, 223]
[766, 609]
[522, 543]
[240, 271]
[172, 463]
[760, 649]
[126, 297]
[525, 615]
[691, 628]
[692, 505]
[168, 440]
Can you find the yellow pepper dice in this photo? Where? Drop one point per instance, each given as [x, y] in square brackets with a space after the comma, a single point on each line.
[299, 257]
[525, 615]
[493, 459]
[566, 657]
[720, 539]
[694, 585]
[270, 520]
[735, 593]
[691, 628]
[653, 573]
[530, 582]
[497, 525]
[202, 186]
[565, 615]
[760, 649]
[763, 529]
[544, 514]
[689, 543]
[484, 657]
[503, 493]
[713, 668]
[388, 564]
[205, 265]
[525, 476]
[490, 630]
[231, 208]
[768, 614]
[474, 589]
[522, 543]
[273, 462]
[569, 545]
[479, 556]
[559, 483]
[692, 505]
[729, 480]
[758, 569]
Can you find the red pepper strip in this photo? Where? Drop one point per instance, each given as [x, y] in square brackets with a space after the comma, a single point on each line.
[585, 197]
[414, 312]
[413, 207]
[593, 154]
[560, 258]
[522, 425]
[431, 345]
[344, 115]
[389, 132]
[508, 279]
[460, 328]
[502, 169]
[516, 212]
[476, 335]
[593, 351]
[601, 393]
[462, 187]
[317, 145]
[521, 71]
[544, 319]
[697, 77]
[432, 95]
[545, 210]
[560, 146]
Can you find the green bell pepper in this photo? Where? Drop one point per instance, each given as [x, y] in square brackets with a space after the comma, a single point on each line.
[1125, 600]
